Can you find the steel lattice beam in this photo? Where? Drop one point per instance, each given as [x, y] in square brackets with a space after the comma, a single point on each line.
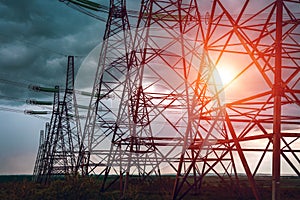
[267, 41]
[59, 148]
[161, 73]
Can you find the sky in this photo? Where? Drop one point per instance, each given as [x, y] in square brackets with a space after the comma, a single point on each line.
[36, 37]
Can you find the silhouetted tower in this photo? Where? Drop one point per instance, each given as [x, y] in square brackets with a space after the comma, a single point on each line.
[59, 150]
[38, 162]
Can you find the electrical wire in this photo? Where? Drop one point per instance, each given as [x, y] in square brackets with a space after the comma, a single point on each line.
[132, 13]
[11, 109]
[26, 42]
[18, 84]
[80, 9]
[32, 86]
[14, 110]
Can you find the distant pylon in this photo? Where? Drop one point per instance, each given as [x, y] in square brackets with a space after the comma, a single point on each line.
[59, 149]
[38, 162]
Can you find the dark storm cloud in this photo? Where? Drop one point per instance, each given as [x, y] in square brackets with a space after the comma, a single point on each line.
[35, 38]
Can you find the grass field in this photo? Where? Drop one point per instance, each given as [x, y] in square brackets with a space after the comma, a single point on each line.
[21, 187]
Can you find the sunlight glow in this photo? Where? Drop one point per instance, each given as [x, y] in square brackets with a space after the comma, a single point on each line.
[226, 73]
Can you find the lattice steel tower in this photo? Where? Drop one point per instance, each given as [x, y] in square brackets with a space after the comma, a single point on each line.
[59, 147]
[166, 105]
[262, 100]
[109, 81]
[158, 105]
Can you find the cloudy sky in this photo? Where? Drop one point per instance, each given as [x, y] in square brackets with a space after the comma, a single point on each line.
[36, 36]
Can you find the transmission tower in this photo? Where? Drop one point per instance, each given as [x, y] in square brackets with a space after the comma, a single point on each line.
[162, 82]
[262, 100]
[38, 162]
[171, 112]
[109, 81]
[58, 149]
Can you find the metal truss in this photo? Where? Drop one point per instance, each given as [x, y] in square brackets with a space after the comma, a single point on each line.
[109, 81]
[262, 100]
[38, 162]
[158, 104]
[166, 105]
[59, 147]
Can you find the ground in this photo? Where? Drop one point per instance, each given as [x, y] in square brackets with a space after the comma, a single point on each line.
[21, 187]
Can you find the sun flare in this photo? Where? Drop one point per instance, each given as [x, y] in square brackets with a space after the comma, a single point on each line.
[226, 73]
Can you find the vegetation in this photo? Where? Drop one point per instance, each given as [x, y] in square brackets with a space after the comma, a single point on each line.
[21, 187]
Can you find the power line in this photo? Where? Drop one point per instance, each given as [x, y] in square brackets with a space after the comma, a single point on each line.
[39, 47]
[87, 7]
[18, 84]
[11, 110]
[14, 110]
